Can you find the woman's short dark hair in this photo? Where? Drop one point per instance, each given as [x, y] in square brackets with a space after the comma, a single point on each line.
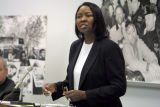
[99, 24]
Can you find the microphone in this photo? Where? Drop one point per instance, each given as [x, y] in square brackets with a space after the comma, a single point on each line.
[30, 68]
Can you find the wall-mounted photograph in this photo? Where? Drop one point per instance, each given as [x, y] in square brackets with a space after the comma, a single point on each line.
[135, 26]
[22, 41]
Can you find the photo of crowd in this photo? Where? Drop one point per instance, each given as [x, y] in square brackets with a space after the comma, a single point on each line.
[23, 42]
[135, 26]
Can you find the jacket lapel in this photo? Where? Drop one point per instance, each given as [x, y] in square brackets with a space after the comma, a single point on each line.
[73, 62]
[89, 61]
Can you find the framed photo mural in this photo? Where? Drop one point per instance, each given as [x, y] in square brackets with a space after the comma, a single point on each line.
[23, 44]
[135, 26]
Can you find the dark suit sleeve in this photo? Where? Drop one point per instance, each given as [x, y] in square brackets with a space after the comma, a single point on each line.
[59, 92]
[115, 69]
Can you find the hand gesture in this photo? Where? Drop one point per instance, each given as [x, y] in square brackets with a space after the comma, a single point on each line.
[75, 95]
[49, 88]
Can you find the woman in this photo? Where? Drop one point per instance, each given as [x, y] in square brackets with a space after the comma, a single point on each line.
[96, 70]
[108, 14]
[138, 56]
[24, 60]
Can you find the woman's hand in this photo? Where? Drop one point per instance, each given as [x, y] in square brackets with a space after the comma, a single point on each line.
[75, 95]
[49, 88]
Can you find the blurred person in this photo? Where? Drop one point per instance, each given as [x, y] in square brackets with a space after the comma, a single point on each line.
[104, 8]
[139, 57]
[124, 4]
[108, 14]
[150, 37]
[153, 4]
[138, 17]
[96, 70]
[11, 56]
[116, 33]
[39, 74]
[42, 54]
[6, 84]
[111, 18]
[33, 54]
[23, 59]
[12, 72]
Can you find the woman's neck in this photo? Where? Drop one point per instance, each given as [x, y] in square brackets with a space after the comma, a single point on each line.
[89, 38]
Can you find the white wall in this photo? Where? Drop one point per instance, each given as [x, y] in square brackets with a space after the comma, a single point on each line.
[60, 35]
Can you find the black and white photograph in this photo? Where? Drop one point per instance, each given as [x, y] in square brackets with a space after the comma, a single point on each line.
[135, 26]
[27, 85]
[22, 40]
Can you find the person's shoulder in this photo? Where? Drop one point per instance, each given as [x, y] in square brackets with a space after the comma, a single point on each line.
[8, 85]
[75, 43]
[10, 82]
[108, 42]
[110, 48]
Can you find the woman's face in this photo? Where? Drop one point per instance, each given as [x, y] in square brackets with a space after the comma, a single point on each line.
[10, 57]
[23, 56]
[11, 71]
[131, 34]
[119, 15]
[111, 10]
[84, 20]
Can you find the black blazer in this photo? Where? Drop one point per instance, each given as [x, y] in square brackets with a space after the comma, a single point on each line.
[6, 88]
[102, 76]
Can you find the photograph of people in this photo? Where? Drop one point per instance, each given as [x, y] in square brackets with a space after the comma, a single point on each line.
[145, 17]
[38, 76]
[108, 14]
[139, 57]
[33, 54]
[42, 54]
[96, 69]
[12, 72]
[26, 86]
[151, 37]
[24, 59]
[11, 56]
[116, 33]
